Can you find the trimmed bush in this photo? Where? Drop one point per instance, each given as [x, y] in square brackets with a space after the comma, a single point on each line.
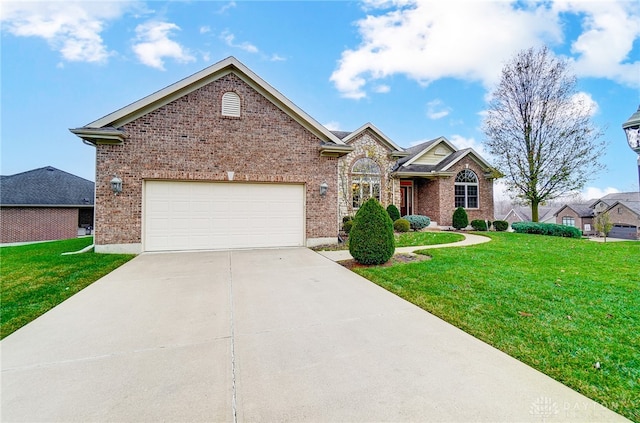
[479, 225]
[550, 229]
[346, 226]
[460, 218]
[393, 211]
[371, 240]
[401, 225]
[417, 221]
[501, 225]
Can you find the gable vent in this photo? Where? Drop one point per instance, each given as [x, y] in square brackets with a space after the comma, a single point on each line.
[231, 104]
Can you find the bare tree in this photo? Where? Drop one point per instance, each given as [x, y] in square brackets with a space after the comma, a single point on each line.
[539, 129]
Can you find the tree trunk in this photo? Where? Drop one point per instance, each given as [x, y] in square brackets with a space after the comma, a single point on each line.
[534, 211]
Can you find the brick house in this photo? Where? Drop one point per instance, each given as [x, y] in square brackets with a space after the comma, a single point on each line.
[223, 160]
[44, 204]
[577, 215]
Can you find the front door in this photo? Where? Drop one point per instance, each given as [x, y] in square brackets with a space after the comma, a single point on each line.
[406, 198]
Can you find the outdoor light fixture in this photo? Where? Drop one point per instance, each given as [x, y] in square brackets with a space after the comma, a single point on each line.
[323, 189]
[632, 130]
[116, 185]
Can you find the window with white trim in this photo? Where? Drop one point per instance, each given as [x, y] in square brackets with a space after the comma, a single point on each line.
[231, 104]
[569, 221]
[466, 190]
[365, 181]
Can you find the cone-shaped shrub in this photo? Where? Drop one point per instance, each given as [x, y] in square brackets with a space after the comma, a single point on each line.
[371, 240]
[460, 218]
[393, 211]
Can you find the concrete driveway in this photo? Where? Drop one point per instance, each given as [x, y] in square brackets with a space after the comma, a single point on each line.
[262, 336]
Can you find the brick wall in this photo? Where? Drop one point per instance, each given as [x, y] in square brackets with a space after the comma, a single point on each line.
[188, 139]
[22, 224]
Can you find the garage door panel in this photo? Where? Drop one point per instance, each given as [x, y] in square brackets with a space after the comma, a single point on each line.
[195, 215]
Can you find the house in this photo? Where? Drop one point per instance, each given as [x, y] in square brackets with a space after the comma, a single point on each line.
[44, 204]
[577, 215]
[221, 160]
[624, 212]
[523, 214]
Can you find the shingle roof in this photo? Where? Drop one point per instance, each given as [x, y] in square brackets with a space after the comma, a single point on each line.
[341, 134]
[621, 196]
[583, 210]
[46, 186]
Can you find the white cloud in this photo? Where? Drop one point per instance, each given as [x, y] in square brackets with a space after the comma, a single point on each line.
[226, 7]
[427, 40]
[462, 142]
[153, 45]
[381, 89]
[229, 39]
[437, 110]
[591, 193]
[72, 28]
[277, 58]
[609, 31]
[332, 126]
[205, 29]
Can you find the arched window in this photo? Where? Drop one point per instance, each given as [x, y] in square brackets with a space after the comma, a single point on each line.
[466, 189]
[231, 104]
[365, 181]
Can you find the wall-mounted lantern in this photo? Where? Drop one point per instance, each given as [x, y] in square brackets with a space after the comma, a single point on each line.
[323, 189]
[116, 185]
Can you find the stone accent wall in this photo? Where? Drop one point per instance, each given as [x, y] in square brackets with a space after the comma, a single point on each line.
[189, 139]
[23, 224]
[366, 145]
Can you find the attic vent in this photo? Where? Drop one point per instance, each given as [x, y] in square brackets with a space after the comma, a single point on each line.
[231, 104]
[441, 151]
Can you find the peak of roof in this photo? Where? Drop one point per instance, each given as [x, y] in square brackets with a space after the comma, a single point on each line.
[46, 186]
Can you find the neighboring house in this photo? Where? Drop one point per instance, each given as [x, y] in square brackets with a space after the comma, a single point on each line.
[623, 209]
[44, 204]
[523, 214]
[223, 160]
[624, 212]
[577, 215]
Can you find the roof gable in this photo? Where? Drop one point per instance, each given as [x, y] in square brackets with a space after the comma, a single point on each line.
[46, 186]
[105, 129]
[427, 147]
[379, 136]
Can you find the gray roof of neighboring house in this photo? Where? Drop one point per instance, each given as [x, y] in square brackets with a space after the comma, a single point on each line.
[524, 212]
[583, 210]
[623, 197]
[46, 186]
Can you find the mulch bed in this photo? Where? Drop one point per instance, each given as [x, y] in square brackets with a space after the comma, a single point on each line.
[400, 258]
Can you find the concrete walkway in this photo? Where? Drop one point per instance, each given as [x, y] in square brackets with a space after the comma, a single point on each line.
[263, 336]
[469, 239]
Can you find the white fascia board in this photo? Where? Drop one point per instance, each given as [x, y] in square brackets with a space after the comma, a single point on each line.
[476, 157]
[386, 140]
[437, 142]
[199, 79]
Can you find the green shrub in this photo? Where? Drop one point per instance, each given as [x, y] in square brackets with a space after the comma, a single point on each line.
[346, 226]
[371, 240]
[550, 229]
[460, 218]
[501, 225]
[393, 211]
[417, 221]
[401, 225]
[479, 225]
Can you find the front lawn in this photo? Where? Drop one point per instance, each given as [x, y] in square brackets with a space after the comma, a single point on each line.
[408, 239]
[569, 308]
[36, 277]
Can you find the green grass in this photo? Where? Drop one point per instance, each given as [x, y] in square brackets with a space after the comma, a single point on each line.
[557, 304]
[36, 277]
[408, 239]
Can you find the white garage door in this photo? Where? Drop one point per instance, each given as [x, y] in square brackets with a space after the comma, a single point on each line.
[202, 216]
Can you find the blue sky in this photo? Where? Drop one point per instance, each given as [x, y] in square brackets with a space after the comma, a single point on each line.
[415, 69]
